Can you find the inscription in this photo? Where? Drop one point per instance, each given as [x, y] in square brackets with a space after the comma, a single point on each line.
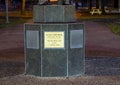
[53, 39]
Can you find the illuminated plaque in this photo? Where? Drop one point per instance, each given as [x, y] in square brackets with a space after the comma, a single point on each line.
[54, 40]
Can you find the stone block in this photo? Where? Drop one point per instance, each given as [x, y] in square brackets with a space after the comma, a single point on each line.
[53, 13]
[60, 52]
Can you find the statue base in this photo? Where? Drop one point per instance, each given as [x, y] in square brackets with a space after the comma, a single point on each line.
[54, 13]
[54, 49]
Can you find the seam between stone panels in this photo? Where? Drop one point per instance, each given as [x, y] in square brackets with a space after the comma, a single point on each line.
[41, 50]
[67, 50]
[25, 47]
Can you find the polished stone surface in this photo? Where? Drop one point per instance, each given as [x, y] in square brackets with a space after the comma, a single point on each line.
[54, 62]
[53, 13]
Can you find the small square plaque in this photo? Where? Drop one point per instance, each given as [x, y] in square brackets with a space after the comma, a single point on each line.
[76, 39]
[54, 40]
[32, 39]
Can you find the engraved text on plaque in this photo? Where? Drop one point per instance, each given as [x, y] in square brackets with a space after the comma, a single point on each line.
[54, 40]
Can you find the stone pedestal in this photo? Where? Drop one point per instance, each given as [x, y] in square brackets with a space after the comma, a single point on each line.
[54, 49]
[54, 13]
[54, 43]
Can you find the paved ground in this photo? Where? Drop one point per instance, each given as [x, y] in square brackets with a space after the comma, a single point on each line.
[100, 41]
[12, 43]
[102, 54]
